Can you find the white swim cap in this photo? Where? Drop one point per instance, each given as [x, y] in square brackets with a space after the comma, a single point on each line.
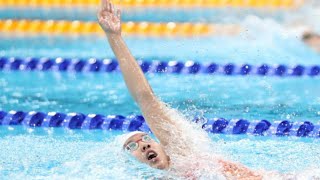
[123, 138]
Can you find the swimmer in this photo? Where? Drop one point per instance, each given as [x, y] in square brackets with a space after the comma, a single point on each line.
[312, 40]
[173, 141]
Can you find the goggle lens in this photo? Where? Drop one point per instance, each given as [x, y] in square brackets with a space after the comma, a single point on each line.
[132, 146]
[146, 138]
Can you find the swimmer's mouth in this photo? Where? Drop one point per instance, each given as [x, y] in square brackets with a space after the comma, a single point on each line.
[151, 155]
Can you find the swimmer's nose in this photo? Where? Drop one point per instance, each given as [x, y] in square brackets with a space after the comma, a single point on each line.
[145, 147]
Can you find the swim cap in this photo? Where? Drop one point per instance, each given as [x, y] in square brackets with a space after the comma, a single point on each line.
[125, 137]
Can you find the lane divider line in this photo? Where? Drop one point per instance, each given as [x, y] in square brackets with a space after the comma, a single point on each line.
[157, 3]
[53, 27]
[137, 123]
[154, 66]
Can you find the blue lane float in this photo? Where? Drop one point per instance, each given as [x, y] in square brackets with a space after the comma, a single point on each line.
[137, 122]
[154, 66]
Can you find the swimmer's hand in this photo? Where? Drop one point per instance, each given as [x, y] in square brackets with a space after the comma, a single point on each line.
[109, 18]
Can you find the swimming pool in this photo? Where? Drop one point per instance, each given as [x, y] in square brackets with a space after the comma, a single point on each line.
[46, 153]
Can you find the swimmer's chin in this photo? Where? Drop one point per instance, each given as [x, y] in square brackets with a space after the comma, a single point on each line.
[162, 165]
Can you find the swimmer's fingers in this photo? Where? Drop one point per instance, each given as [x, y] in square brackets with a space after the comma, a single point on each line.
[103, 8]
[109, 17]
[110, 7]
[104, 5]
[119, 14]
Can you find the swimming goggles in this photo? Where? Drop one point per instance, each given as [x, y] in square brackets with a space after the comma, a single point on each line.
[134, 145]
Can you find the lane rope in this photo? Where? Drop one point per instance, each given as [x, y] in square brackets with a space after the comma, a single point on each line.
[137, 123]
[61, 27]
[166, 3]
[154, 66]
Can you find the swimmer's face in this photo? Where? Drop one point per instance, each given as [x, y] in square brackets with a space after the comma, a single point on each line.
[148, 151]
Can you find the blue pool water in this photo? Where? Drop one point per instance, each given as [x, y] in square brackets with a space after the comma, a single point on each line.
[271, 98]
[246, 48]
[38, 153]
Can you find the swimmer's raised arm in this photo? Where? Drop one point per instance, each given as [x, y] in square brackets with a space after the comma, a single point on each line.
[151, 107]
